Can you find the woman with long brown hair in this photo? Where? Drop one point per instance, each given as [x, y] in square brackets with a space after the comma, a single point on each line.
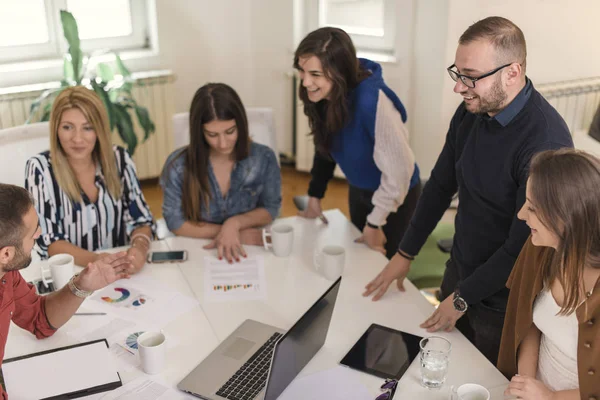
[86, 190]
[551, 340]
[357, 122]
[222, 186]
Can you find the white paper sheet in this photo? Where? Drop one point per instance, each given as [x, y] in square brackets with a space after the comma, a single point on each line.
[338, 383]
[125, 359]
[68, 377]
[141, 300]
[99, 327]
[143, 388]
[240, 281]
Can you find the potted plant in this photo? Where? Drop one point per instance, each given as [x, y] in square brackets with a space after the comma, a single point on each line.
[113, 87]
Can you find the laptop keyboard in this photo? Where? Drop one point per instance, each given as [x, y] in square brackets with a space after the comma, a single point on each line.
[251, 378]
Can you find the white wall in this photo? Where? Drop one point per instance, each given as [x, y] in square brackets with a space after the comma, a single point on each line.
[246, 44]
[426, 102]
[249, 45]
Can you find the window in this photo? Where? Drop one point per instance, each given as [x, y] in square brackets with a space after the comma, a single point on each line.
[31, 29]
[370, 23]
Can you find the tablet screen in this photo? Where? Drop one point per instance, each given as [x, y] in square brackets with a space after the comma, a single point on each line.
[383, 352]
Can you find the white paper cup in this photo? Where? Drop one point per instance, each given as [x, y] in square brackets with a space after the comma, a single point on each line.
[470, 391]
[152, 348]
[282, 239]
[330, 261]
[60, 268]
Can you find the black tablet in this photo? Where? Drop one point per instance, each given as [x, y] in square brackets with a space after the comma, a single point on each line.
[383, 352]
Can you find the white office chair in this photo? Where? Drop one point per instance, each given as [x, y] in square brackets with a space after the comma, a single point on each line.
[17, 145]
[261, 127]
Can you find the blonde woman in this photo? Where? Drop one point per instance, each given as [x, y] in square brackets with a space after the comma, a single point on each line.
[86, 190]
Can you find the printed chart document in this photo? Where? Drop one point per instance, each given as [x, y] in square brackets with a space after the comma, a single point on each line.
[71, 370]
[240, 281]
[137, 300]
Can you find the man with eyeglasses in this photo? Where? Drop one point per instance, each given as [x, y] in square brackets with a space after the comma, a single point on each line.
[501, 123]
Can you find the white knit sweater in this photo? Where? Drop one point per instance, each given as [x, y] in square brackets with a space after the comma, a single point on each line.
[394, 158]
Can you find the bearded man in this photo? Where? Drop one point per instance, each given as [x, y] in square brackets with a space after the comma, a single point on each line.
[501, 123]
[40, 315]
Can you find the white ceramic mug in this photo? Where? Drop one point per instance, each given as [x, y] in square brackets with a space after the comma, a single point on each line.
[60, 268]
[282, 239]
[330, 261]
[469, 391]
[152, 348]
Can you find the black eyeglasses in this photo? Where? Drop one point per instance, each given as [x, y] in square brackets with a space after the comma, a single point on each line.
[389, 387]
[469, 81]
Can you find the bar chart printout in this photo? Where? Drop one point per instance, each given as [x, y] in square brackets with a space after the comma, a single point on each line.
[240, 281]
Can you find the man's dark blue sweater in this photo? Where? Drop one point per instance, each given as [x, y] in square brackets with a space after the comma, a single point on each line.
[486, 159]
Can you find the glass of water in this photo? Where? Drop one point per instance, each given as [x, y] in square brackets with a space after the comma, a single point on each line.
[434, 357]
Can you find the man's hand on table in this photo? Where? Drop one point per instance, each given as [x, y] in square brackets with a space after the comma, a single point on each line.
[443, 318]
[396, 270]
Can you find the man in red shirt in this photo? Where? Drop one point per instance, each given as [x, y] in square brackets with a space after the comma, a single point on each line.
[19, 302]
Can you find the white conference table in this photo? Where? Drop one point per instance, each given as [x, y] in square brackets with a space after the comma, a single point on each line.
[293, 285]
[191, 331]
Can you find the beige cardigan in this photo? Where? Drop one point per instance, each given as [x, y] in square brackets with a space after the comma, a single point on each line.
[525, 282]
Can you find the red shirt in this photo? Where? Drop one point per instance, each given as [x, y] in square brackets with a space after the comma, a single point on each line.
[20, 302]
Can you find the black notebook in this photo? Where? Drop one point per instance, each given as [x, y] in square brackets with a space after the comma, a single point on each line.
[63, 373]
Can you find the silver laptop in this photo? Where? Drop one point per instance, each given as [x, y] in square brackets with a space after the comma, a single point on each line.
[258, 361]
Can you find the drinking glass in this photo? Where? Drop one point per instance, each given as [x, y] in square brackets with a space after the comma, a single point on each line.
[434, 357]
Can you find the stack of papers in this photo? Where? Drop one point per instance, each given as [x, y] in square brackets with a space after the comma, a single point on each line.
[338, 383]
[143, 389]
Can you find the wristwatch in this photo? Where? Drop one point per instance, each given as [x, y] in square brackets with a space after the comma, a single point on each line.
[459, 303]
[370, 225]
[76, 291]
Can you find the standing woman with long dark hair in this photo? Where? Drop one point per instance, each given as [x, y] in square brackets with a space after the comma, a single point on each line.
[357, 122]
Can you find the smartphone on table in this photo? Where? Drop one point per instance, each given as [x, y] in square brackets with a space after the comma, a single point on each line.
[156, 257]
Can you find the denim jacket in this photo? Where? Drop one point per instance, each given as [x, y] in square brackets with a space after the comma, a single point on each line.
[255, 183]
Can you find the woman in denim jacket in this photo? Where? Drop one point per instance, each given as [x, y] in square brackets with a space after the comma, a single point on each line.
[222, 186]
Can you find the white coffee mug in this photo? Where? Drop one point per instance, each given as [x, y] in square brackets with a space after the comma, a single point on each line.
[469, 391]
[330, 261]
[282, 239]
[152, 348]
[60, 268]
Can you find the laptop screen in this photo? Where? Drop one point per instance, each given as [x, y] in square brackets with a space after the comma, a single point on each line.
[299, 345]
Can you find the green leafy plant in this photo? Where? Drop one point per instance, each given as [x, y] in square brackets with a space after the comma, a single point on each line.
[113, 85]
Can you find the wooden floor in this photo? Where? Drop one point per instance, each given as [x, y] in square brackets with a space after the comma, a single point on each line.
[293, 183]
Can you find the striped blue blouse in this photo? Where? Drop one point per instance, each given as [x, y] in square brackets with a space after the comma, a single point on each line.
[95, 226]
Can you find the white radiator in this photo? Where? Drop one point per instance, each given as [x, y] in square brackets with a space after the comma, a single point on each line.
[575, 100]
[153, 90]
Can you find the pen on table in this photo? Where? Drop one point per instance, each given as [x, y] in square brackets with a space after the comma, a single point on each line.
[90, 313]
[322, 218]
[125, 348]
